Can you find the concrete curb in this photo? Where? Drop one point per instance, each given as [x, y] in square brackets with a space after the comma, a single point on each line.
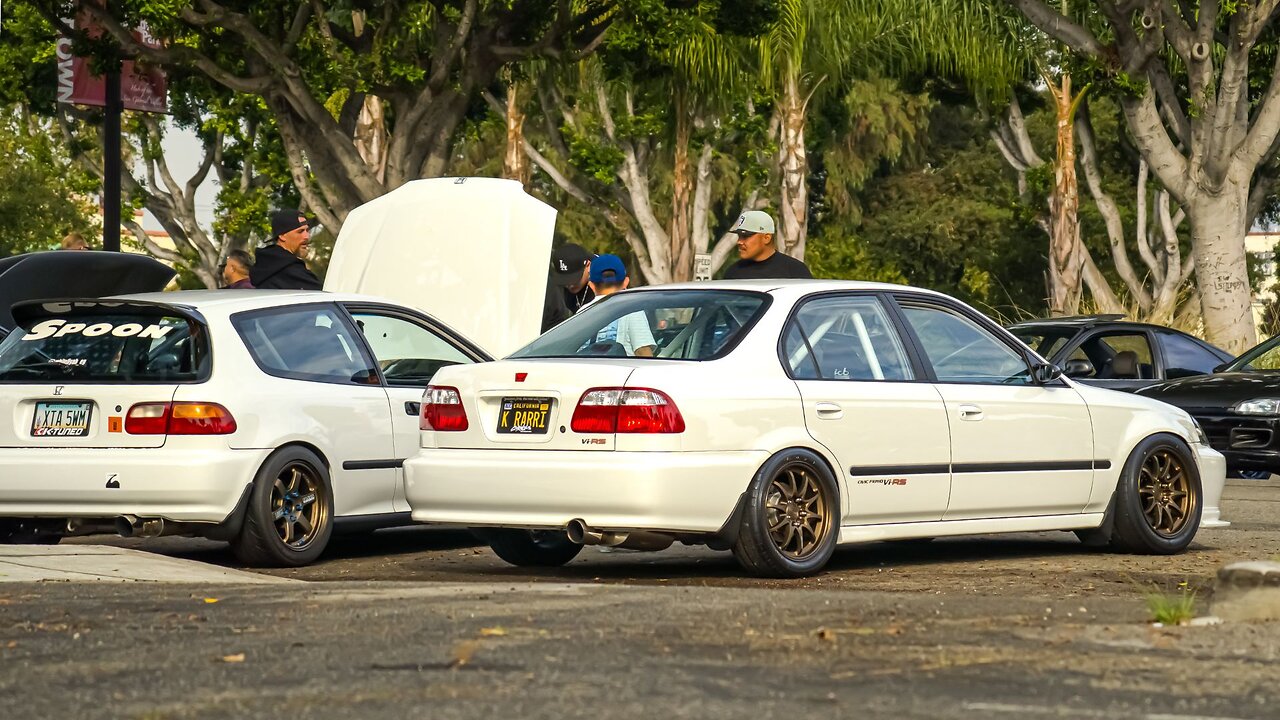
[98, 563]
[1248, 591]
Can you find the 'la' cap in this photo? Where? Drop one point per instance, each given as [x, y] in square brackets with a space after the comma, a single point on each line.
[567, 262]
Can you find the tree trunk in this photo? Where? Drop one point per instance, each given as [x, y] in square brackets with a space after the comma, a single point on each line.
[682, 195]
[1066, 262]
[794, 170]
[515, 163]
[1218, 232]
[371, 136]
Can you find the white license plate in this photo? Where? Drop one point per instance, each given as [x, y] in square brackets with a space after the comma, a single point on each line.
[61, 419]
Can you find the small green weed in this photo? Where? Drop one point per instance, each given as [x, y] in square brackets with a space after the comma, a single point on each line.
[1171, 608]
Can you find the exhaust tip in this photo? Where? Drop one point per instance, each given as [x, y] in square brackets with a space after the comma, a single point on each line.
[577, 531]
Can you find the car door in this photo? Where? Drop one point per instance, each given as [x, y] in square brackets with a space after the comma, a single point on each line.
[330, 386]
[1018, 448]
[1119, 359]
[408, 349]
[864, 402]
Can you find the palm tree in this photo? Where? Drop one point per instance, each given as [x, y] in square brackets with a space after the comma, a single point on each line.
[816, 46]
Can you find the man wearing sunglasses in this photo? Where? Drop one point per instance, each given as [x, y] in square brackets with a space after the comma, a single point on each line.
[760, 256]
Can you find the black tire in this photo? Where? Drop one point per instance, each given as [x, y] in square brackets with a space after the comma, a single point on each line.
[530, 548]
[15, 531]
[1162, 469]
[267, 538]
[768, 511]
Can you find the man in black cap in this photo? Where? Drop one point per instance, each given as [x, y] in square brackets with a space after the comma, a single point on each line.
[280, 266]
[567, 288]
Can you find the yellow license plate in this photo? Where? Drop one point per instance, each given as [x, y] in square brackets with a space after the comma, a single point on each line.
[524, 416]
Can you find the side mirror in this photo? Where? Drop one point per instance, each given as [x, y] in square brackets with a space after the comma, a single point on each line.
[1078, 368]
[1045, 373]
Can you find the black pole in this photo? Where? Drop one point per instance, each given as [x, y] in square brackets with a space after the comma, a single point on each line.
[111, 165]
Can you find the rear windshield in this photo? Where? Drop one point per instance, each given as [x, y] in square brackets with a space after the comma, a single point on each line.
[666, 324]
[105, 345]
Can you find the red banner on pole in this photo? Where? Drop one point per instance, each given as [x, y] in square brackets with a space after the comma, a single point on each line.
[142, 87]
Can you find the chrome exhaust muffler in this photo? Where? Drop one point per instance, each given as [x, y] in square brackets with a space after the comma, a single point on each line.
[583, 534]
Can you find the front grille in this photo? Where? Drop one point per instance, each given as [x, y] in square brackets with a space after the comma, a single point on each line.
[1228, 432]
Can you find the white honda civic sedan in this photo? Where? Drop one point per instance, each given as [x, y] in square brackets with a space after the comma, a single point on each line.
[780, 419]
[266, 418]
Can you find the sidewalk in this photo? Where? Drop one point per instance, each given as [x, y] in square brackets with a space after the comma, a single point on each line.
[96, 563]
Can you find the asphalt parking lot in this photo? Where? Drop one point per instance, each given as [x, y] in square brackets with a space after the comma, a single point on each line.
[422, 623]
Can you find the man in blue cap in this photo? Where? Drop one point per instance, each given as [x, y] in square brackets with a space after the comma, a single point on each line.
[608, 276]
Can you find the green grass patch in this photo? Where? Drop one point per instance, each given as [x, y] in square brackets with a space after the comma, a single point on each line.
[1171, 607]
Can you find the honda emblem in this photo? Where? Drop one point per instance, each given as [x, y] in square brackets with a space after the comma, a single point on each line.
[57, 390]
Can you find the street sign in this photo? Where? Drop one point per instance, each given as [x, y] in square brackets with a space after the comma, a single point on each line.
[701, 267]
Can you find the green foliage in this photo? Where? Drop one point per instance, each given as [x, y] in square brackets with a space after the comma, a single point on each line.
[43, 194]
[947, 217]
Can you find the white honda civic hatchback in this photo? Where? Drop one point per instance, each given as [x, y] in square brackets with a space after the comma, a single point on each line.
[780, 419]
[266, 418]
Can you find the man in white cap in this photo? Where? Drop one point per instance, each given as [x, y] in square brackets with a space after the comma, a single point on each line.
[760, 257]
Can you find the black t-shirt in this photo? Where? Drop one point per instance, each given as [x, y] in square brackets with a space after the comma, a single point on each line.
[560, 304]
[776, 266]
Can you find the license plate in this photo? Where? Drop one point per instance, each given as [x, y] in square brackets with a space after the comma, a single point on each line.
[61, 419]
[524, 416]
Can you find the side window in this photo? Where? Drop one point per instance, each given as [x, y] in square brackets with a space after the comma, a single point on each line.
[1120, 356]
[305, 343]
[844, 338]
[1184, 357]
[962, 351]
[408, 353]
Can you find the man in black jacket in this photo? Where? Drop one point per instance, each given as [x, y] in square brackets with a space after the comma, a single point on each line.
[567, 287]
[280, 266]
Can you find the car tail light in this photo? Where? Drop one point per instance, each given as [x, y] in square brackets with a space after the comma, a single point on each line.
[626, 410]
[196, 418]
[179, 418]
[147, 419]
[442, 410]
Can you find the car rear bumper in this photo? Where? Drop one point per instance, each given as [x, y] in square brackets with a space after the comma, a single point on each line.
[180, 484]
[1213, 478]
[608, 490]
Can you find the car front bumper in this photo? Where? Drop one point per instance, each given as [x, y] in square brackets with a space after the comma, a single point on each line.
[174, 483]
[608, 490]
[1249, 443]
[1213, 479]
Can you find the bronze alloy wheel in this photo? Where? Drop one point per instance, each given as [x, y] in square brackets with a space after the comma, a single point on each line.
[296, 510]
[1164, 492]
[796, 512]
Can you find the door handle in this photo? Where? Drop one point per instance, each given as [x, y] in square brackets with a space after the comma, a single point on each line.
[829, 411]
[412, 408]
[970, 412]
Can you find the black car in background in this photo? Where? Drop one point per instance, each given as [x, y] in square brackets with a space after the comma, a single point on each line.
[1238, 407]
[1110, 352]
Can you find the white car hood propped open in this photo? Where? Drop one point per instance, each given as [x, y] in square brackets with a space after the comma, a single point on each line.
[472, 252]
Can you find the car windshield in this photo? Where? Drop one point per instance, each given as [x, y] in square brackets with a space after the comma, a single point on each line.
[666, 324]
[1263, 357]
[105, 345]
[1045, 341]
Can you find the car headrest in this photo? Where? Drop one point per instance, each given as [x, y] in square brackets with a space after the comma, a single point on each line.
[1125, 365]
